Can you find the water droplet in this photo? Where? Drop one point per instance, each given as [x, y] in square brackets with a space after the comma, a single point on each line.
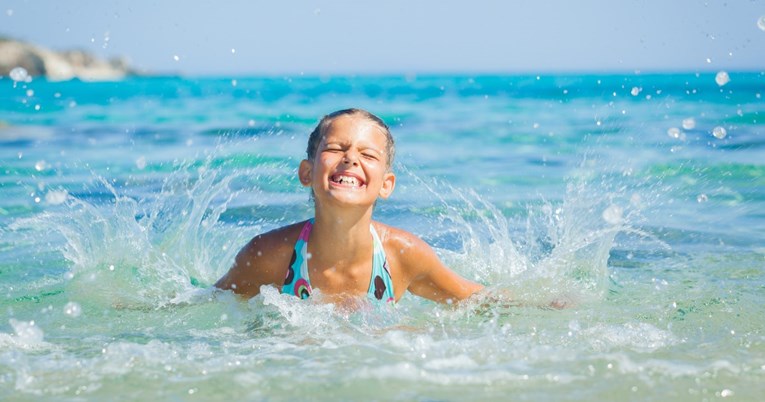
[674, 132]
[73, 309]
[722, 78]
[251, 123]
[635, 91]
[761, 23]
[40, 166]
[233, 83]
[30, 93]
[176, 58]
[56, 197]
[19, 74]
[719, 132]
[233, 51]
[726, 393]
[613, 214]
[27, 332]
[140, 163]
[702, 198]
[689, 123]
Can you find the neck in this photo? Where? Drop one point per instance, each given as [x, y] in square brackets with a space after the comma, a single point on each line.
[341, 237]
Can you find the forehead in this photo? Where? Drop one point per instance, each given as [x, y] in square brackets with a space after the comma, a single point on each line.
[351, 127]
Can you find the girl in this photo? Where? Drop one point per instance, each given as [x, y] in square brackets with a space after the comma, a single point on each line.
[342, 251]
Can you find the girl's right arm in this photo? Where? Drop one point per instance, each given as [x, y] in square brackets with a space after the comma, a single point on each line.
[262, 261]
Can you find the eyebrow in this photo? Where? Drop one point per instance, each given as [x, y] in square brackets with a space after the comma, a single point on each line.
[362, 145]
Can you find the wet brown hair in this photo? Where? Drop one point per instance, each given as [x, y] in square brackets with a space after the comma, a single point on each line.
[315, 138]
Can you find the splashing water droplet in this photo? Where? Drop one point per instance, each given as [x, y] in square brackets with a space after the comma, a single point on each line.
[689, 123]
[613, 214]
[27, 332]
[140, 163]
[176, 58]
[19, 74]
[54, 197]
[674, 132]
[40, 166]
[635, 91]
[719, 132]
[761, 23]
[722, 78]
[73, 309]
[702, 198]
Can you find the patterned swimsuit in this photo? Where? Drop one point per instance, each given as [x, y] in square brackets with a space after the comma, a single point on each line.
[298, 284]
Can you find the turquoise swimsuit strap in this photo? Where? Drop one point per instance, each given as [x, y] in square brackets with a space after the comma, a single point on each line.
[297, 282]
[381, 284]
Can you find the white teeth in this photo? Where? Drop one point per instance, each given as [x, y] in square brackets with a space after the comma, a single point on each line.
[351, 181]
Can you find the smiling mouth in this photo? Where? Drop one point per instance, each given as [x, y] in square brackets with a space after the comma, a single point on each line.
[347, 181]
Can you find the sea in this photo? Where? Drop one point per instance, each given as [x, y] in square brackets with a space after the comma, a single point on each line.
[617, 221]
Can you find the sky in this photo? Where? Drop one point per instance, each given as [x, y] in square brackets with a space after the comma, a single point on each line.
[239, 37]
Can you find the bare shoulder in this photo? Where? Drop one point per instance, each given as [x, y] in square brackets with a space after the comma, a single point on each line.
[405, 250]
[416, 267]
[262, 261]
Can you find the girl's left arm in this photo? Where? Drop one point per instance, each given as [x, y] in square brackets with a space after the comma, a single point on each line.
[428, 277]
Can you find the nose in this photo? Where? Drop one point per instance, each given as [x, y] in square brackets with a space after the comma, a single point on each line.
[351, 158]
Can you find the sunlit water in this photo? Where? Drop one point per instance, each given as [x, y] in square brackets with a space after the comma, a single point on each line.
[637, 200]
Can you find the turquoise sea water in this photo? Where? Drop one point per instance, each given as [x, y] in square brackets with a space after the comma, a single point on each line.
[122, 202]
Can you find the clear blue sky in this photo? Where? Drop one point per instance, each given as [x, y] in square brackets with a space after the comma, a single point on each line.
[400, 36]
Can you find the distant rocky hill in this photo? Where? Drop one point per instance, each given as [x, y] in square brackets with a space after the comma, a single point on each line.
[58, 66]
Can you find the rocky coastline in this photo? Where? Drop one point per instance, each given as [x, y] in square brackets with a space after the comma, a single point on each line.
[21, 58]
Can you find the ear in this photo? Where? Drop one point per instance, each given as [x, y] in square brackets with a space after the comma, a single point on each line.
[305, 171]
[389, 183]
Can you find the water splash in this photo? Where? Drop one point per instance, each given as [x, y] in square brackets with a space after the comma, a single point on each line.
[26, 335]
[559, 255]
[145, 252]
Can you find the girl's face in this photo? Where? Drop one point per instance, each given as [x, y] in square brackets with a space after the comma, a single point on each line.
[350, 164]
